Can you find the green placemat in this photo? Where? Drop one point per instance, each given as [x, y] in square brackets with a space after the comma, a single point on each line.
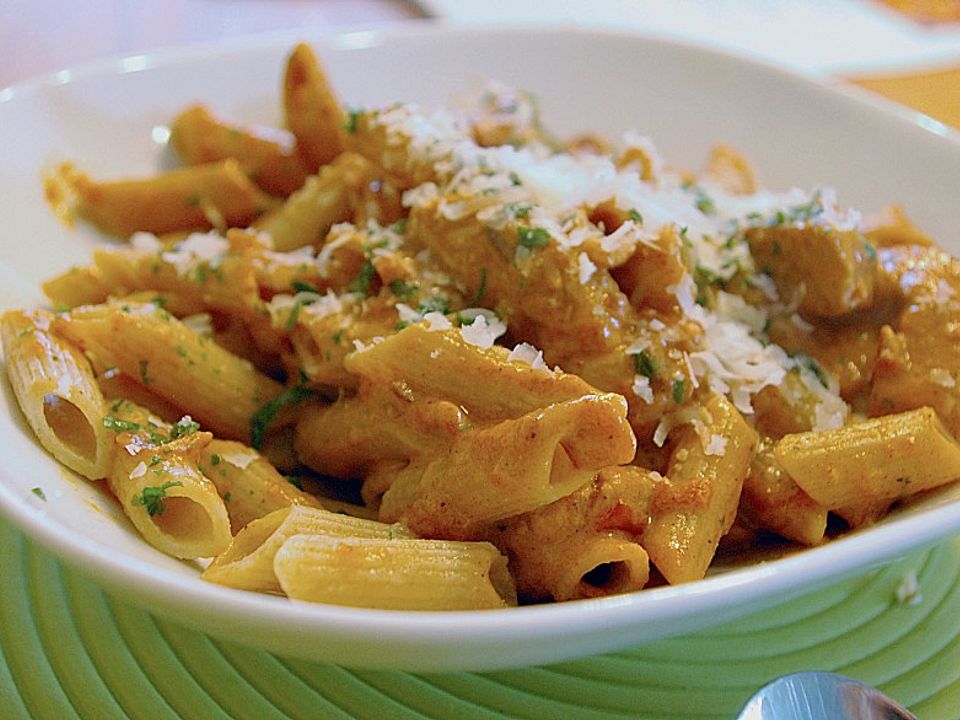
[69, 650]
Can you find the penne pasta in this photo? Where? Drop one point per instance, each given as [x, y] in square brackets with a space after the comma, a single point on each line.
[394, 574]
[248, 483]
[510, 468]
[698, 505]
[323, 200]
[311, 110]
[587, 544]
[215, 195]
[882, 459]
[143, 341]
[267, 155]
[248, 562]
[155, 478]
[57, 392]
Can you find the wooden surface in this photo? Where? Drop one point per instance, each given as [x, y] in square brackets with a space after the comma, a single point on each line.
[935, 93]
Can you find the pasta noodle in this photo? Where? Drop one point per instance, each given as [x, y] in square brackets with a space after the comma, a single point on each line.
[411, 358]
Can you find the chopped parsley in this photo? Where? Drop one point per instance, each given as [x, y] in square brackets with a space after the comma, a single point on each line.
[482, 288]
[215, 459]
[515, 179]
[678, 388]
[144, 364]
[645, 364]
[870, 251]
[403, 289]
[399, 227]
[518, 211]
[704, 202]
[294, 315]
[813, 366]
[361, 283]
[531, 237]
[353, 118]
[436, 303]
[301, 286]
[39, 493]
[262, 418]
[635, 215]
[152, 497]
[118, 425]
[183, 427]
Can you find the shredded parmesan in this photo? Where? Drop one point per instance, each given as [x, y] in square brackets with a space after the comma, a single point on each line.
[528, 354]
[239, 459]
[587, 268]
[437, 321]
[481, 334]
[908, 590]
[139, 471]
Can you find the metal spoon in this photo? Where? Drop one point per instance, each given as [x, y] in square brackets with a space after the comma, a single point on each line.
[821, 696]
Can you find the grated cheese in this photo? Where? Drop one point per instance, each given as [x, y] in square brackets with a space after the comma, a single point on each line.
[481, 334]
[528, 354]
[587, 268]
[239, 459]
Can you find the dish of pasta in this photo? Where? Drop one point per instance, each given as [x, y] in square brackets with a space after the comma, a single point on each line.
[415, 357]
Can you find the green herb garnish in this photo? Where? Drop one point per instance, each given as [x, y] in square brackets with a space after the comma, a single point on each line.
[645, 364]
[436, 303]
[353, 118]
[262, 418]
[482, 288]
[678, 388]
[403, 289]
[531, 237]
[152, 497]
[144, 364]
[361, 283]
[118, 425]
[301, 286]
[183, 427]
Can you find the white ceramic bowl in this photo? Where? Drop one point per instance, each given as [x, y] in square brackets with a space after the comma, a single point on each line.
[798, 132]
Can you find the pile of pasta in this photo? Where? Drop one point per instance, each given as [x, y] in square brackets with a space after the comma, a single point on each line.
[437, 359]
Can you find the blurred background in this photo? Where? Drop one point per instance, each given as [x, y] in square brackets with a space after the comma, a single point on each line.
[906, 49]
